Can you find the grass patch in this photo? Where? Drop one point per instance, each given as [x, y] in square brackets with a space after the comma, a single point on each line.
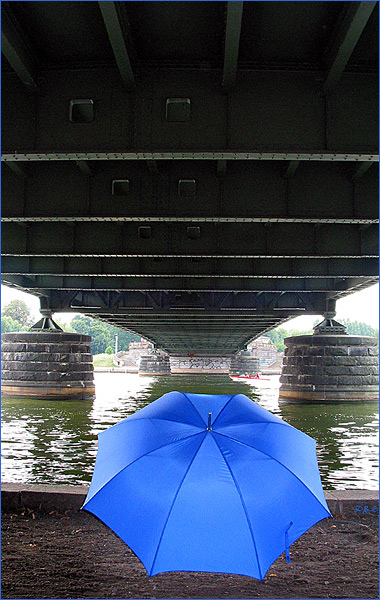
[103, 360]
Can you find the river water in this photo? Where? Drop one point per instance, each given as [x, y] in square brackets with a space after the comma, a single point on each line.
[56, 441]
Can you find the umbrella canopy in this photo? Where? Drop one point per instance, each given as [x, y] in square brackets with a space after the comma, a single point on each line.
[196, 482]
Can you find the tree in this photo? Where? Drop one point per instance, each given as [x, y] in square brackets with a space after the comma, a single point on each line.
[124, 337]
[277, 336]
[18, 311]
[103, 334]
[65, 326]
[357, 328]
[8, 325]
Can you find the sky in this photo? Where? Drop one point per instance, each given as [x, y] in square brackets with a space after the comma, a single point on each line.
[362, 306]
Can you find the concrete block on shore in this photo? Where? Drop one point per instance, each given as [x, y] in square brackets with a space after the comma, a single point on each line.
[68, 499]
[42, 498]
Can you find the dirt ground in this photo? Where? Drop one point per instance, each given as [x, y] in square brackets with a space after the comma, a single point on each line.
[77, 556]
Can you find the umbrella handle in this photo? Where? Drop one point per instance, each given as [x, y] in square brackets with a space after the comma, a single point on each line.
[209, 428]
[287, 553]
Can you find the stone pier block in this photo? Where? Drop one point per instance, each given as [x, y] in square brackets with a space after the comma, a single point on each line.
[46, 364]
[154, 364]
[244, 363]
[325, 368]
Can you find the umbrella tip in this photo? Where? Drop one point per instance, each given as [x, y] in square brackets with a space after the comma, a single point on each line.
[209, 428]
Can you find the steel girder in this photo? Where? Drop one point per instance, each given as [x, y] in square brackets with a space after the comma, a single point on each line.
[248, 191]
[202, 228]
[214, 240]
[267, 114]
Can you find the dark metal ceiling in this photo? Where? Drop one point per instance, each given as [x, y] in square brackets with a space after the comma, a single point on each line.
[197, 172]
[280, 34]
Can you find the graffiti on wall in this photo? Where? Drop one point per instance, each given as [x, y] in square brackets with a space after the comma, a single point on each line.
[196, 363]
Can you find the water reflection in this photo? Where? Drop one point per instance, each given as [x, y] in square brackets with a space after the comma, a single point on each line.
[56, 441]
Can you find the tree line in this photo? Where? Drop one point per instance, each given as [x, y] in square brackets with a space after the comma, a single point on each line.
[353, 328]
[103, 335]
[16, 317]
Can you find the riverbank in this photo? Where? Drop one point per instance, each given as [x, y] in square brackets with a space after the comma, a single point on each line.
[116, 369]
[52, 550]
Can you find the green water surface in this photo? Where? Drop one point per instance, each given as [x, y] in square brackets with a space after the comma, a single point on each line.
[56, 441]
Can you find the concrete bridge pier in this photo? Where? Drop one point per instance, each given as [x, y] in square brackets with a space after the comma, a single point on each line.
[46, 362]
[155, 363]
[330, 366]
[243, 363]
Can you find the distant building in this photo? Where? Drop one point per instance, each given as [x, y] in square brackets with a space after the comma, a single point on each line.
[143, 345]
[265, 350]
[137, 349]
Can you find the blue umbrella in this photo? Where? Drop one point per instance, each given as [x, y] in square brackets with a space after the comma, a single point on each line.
[195, 482]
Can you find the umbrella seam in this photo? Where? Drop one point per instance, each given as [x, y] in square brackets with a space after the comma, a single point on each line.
[279, 462]
[193, 405]
[260, 423]
[153, 420]
[243, 505]
[168, 420]
[139, 458]
[172, 505]
[226, 404]
[268, 423]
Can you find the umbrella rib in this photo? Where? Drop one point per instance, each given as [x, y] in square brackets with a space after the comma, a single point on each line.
[174, 499]
[139, 458]
[275, 459]
[243, 505]
[226, 404]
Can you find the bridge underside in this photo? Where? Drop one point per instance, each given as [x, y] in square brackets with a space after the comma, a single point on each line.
[195, 172]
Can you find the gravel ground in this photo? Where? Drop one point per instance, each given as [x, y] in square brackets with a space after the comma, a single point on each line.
[77, 556]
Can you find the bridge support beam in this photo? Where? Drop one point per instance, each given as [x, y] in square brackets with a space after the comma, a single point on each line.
[330, 366]
[46, 363]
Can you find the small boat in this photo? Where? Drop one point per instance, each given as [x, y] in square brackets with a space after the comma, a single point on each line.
[258, 382]
[254, 381]
[254, 378]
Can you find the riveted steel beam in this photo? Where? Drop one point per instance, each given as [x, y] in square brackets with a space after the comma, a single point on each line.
[116, 33]
[317, 221]
[354, 22]
[349, 156]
